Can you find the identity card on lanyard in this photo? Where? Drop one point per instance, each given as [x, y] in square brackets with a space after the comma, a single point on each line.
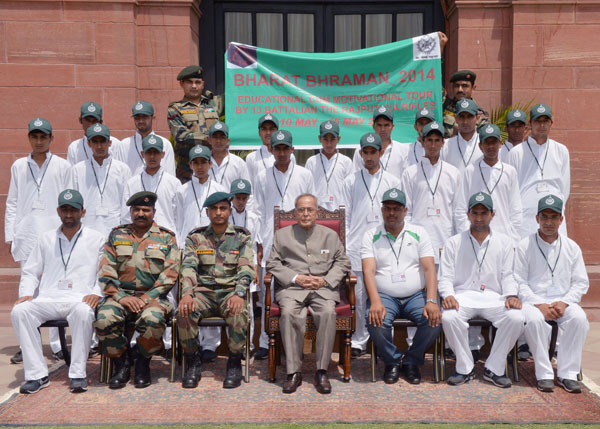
[374, 215]
[39, 204]
[397, 275]
[67, 284]
[433, 210]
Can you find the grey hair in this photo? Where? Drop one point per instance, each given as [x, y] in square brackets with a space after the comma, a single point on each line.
[306, 195]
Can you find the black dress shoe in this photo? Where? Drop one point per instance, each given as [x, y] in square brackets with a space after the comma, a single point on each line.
[355, 352]
[233, 377]
[322, 383]
[292, 382]
[122, 372]
[391, 374]
[261, 354]
[193, 370]
[142, 376]
[411, 373]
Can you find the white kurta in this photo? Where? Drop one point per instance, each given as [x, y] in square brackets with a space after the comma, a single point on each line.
[542, 170]
[460, 152]
[431, 198]
[232, 168]
[102, 188]
[502, 184]
[394, 159]
[32, 200]
[129, 151]
[505, 151]
[260, 160]
[328, 176]
[80, 150]
[165, 186]
[415, 153]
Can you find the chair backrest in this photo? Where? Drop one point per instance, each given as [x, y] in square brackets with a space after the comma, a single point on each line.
[335, 220]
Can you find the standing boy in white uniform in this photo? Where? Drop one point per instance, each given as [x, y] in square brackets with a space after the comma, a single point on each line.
[516, 128]
[463, 149]
[416, 152]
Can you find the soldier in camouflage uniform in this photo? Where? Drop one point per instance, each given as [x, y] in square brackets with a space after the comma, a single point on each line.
[190, 118]
[463, 84]
[138, 268]
[216, 273]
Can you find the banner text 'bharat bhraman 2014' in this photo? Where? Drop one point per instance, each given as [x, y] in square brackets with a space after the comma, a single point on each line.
[303, 89]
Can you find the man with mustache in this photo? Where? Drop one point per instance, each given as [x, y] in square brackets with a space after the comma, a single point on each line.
[462, 83]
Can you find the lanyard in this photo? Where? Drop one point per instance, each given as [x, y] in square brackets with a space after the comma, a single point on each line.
[196, 196]
[224, 171]
[262, 158]
[39, 185]
[157, 185]
[138, 151]
[546, 258]
[372, 198]
[460, 150]
[415, 150]
[286, 185]
[62, 256]
[434, 190]
[327, 179]
[480, 263]
[389, 156]
[392, 247]
[105, 178]
[245, 218]
[541, 167]
[483, 178]
[84, 144]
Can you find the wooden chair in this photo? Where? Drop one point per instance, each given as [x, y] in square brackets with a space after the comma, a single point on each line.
[345, 310]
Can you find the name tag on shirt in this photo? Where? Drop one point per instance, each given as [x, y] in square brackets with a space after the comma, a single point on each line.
[398, 278]
[324, 251]
[373, 217]
[542, 187]
[102, 211]
[65, 284]
[331, 198]
[38, 205]
[432, 211]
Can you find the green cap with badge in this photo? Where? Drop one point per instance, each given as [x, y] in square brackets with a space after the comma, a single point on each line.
[200, 151]
[240, 186]
[395, 195]
[142, 198]
[481, 198]
[550, 202]
[152, 141]
[217, 197]
[463, 75]
[142, 108]
[433, 127]
[466, 105]
[516, 115]
[190, 72]
[382, 110]
[425, 113]
[370, 140]
[268, 118]
[70, 197]
[98, 130]
[281, 137]
[329, 127]
[488, 130]
[218, 126]
[40, 124]
[540, 110]
[91, 109]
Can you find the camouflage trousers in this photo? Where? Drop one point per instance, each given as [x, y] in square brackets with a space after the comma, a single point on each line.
[213, 303]
[150, 323]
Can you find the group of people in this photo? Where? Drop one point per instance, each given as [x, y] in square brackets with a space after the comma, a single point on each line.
[439, 230]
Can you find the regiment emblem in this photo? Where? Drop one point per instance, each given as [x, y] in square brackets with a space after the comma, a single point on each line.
[68, 195]
[38, 122]
[479, 197]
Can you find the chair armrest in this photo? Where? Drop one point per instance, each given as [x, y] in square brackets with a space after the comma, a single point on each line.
[350, 281]
[268, 280]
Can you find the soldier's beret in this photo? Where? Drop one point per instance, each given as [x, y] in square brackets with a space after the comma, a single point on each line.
[463, 75]
[40, 124]
[190, 72]
[143, 198]
[217, 197]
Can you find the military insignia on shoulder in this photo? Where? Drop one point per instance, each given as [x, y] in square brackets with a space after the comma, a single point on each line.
[162, 228]
[242, 229]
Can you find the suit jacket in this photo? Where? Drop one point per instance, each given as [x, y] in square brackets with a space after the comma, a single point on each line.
[317, 251]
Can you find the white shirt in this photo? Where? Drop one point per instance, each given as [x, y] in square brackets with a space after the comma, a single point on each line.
[460, 273]
[29, 210]
[363, 207]
[553, 159]
[536, 283]
[415, 153]
[232, 168]
[329, 175]
[460, 152]
[260, 160]
[80, 150]
[505, 151]
[394, 159]
[45, 271]
[274, 188]
[190, 199]
[435, 214]
[502, 184]
[101, 187]
[398, 267]
[165, 186]
[129, 151]
[251, 222]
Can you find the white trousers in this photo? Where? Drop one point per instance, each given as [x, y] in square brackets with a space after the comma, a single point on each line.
[572, 330]
[27, 316]
[361, 335]
[510, 324]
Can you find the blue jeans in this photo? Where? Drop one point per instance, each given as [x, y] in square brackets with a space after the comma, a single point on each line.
[410, 308]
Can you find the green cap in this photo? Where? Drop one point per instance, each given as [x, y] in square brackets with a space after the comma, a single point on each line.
[190, 72]
[463, 75]
[551, 202]
[152, 141]
[200, 151]
[142, 108]
[98, 130]
[395, 195]
[268, 118]
[372, 140]
[70, 197]
[241, 186]
[217, 197]
[386, 111]
[425, 113]
[281, 137]
[142, 198]
[481, 198]
[40, 124]
[329, 127]
[91, 109]
[432, 127]
[516, 115]
[540, 110]
[219, 126]
[466, 105]
[487, 131]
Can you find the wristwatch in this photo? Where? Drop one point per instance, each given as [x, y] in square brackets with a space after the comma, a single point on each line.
[241, 294]
[431, 300]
